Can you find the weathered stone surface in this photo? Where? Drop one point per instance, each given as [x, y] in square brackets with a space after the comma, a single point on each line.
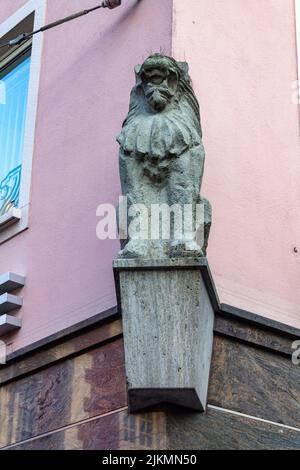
[78, 388]
[82, 379]
[118, 430]
[220, 430]
[170, 430]
[168, 338]
[247, 379]
[162, 158]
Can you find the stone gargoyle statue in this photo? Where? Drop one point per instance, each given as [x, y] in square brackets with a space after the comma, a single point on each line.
[161, 165]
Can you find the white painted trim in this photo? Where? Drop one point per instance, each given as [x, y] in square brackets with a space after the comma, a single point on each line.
[297, 14]
[255, 418]
[10, 217]
[39, 8]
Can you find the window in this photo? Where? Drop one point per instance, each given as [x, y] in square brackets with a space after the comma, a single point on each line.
[14, 76]
[19, 84]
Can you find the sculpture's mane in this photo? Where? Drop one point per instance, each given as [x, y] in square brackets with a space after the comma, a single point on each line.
[165, 134]
[184, 98]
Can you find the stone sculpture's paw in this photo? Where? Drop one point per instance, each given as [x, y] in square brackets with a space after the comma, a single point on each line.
[188, 249]
[133, 249]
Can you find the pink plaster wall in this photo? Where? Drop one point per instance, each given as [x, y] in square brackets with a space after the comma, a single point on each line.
[242, 56]
[87, 75]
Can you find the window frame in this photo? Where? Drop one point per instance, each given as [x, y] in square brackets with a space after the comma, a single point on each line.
[16, 220]
[297, 15]
[15, 57]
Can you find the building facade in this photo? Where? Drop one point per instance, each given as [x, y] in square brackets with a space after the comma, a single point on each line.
[63, 385]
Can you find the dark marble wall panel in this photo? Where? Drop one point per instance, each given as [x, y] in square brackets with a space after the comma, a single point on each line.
[255, 382]
[87, 385]
[57, 352]
[274, 341]
[170, 430]
[83, 377]
[115, 431]
[218, 430]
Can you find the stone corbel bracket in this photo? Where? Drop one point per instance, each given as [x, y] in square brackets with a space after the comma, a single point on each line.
[10, 302]
[167, 310]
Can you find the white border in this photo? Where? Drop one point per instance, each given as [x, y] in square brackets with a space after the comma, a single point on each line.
[255, 418]
[39, 8]
[297, 13]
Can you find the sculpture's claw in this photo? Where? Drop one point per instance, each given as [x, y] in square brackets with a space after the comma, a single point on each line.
[189, 249]
[133, 249]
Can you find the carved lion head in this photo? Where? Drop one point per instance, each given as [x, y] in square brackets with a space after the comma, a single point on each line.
[164, 117]
[159, 80]
[162, 80]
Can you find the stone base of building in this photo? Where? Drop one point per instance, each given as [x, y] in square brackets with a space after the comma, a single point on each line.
[69, 392]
